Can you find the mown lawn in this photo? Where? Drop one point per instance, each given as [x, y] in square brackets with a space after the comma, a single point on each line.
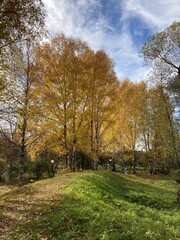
[92, 206]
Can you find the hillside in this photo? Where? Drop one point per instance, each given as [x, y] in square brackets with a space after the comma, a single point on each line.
[91, 205]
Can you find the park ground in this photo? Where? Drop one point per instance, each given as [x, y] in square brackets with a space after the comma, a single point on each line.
[92, 206]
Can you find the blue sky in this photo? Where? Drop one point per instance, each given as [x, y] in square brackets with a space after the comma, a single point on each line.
[120, 27]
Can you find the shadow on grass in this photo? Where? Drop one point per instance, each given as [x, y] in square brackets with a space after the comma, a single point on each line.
[129, 189]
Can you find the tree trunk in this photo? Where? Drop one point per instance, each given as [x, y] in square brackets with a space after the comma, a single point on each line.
[22, 152]
[21, 164]
[113, 166]
[171, 128]
[134, 162]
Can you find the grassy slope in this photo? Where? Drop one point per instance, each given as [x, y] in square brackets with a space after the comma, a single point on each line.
[94, 205]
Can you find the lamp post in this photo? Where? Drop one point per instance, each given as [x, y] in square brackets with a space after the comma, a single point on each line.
[110, 160]
[112, 163]
[52, 167]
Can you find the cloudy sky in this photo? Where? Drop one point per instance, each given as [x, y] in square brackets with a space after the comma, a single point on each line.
[120, 27]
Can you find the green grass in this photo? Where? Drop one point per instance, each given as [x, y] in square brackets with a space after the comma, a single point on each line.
[94, 206]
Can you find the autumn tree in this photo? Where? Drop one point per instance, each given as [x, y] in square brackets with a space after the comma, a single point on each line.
[165, 47]
[129, 128]
[159, 135]
[18, 106]
[163, 51]
[101, 109]
[20, 20]
[77, 88]
[63, 65]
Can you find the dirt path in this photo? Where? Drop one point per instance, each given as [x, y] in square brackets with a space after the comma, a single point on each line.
[29, 202]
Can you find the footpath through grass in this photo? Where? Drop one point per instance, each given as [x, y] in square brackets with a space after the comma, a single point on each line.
[92, 206]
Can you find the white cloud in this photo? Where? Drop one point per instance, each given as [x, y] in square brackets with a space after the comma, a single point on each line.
[85, 19]
[156, 13]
